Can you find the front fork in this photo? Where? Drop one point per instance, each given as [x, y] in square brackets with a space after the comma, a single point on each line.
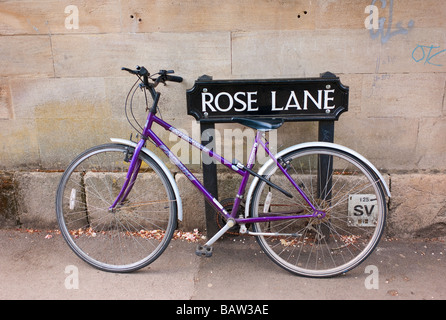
[132, 174]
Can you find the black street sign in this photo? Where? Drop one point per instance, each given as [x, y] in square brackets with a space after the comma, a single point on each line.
[304, 99]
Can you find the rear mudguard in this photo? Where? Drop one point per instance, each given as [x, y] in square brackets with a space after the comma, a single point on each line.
[163, 167]
[306, 145]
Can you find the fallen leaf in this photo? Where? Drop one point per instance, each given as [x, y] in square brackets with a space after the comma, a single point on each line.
[393, 293]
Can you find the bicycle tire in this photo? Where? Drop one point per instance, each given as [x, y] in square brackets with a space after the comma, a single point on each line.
[345, 237]
[137, 231]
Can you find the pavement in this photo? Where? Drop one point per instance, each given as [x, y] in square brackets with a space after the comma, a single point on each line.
[37, 264]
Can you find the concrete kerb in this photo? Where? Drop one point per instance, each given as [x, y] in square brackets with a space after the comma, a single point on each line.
[417, 207]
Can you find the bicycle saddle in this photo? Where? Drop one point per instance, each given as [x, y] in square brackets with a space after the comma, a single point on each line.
[259, 124]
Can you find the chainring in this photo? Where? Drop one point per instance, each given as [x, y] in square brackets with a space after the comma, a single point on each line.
[227, 204]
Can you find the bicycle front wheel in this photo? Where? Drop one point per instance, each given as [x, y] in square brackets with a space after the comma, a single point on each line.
[136, 231]
[336, 182]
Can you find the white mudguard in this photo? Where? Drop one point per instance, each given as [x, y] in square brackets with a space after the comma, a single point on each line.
[163, 167]
[306, 145]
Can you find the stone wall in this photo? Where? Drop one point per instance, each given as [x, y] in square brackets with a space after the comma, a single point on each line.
[61, 88]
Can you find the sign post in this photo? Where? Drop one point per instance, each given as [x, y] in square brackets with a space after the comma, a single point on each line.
[209, 101]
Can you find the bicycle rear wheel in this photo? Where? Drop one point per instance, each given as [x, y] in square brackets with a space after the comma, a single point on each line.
[336, 182]
[132, 235]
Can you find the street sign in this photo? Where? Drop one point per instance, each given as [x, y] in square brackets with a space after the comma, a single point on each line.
[305, 99]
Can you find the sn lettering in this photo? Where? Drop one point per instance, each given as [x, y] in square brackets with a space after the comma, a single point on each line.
[245, 101]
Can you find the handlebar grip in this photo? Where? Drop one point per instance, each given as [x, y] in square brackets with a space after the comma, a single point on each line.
[129, 70]
[174, 78]
[139, 71]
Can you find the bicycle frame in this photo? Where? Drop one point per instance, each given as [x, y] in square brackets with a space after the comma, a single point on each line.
[328, 184]
[244, 171]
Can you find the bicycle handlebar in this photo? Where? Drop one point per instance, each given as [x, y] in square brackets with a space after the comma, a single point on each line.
[174, 78]
[163, 75]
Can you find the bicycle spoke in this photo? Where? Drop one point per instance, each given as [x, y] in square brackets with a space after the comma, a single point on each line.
[131, 235]
[329, 245]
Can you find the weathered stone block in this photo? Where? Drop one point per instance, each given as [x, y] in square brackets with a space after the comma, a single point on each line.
[49, 17]
[213, 15]
[36, 194]
[6, 111]
[26, 55]
[418, 51]
[19, 145]
[303, 53]
[186, 53]
[431, 144]
[149, 206]
[418, 205]
[389, 143]
[411, 95]
[59, 98]
[8, 203]
[193, 204]
[350, 14]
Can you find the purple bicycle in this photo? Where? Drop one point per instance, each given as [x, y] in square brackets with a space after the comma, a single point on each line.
[317, 209]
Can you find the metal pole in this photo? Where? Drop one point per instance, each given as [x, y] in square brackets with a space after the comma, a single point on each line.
[209, 176]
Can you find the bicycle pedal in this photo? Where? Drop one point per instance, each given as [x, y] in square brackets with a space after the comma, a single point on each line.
[204, 251]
